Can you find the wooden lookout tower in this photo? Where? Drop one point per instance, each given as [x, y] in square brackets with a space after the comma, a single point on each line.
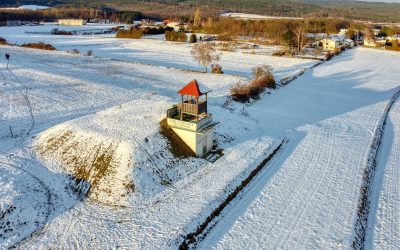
[190, 119]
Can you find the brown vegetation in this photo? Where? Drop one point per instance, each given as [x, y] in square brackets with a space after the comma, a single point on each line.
[394, 45]
[174, 36]
[90, 162]
[3, 41]
[263, 78]
[132, 33]
[40, 45]
[287, 32]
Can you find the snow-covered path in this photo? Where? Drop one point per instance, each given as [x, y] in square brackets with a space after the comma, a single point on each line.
[311, 200]
[384, 223]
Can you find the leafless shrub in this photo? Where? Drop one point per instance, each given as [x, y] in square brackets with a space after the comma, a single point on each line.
[263, 78]
[216, 69]
[89, 52]
[240, 92]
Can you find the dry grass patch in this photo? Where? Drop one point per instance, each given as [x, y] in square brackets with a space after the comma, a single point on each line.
[43, 46]
[99, 168]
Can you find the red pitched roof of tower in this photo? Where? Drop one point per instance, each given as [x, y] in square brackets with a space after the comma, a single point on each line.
[192, 89]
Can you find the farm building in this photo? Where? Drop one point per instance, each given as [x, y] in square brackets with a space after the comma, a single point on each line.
[72, 22]
[191, 121]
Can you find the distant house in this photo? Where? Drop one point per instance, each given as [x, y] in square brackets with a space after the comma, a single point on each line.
[72, 22]
[13, 22]
[177, 26]
[376, 32]
[331, 43]
[375, 42]
[316, 36]
[348, 43]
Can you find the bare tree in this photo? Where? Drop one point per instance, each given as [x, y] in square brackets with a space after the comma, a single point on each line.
[368, 34]
[205, 54]
[300, 37]
[197, 18]
[317, 51]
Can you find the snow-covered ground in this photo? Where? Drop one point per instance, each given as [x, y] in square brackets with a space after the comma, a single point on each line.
[384, 222]
[307, 197]
[149, 51]
[56, 87]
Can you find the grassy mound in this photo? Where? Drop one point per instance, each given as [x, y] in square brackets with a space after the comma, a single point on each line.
[100, 167]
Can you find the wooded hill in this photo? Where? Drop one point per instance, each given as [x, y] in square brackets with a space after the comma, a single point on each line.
[382, 12]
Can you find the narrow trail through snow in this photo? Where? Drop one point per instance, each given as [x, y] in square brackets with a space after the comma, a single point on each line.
[383, 230]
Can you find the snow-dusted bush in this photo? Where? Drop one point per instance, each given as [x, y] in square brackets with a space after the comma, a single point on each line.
[74, 51]
[216, 69]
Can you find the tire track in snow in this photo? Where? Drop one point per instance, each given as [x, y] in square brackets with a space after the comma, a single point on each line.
[364, 203]
[309, 198]
[48, 193]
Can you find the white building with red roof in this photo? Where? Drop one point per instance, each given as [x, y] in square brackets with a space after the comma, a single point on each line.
[191, 121]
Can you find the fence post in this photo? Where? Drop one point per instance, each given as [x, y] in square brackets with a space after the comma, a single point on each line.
[12, 135]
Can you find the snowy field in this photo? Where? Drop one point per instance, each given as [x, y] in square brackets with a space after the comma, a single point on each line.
[308, 197]
[117, 104]
[76, 106]
[149, 51]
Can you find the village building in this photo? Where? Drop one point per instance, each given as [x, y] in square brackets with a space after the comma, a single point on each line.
[13, 23]
[376, 32]
[375, 42]
[348, 43]
[72, 22]
[331, 43]
[177, 26]
[191, 121]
